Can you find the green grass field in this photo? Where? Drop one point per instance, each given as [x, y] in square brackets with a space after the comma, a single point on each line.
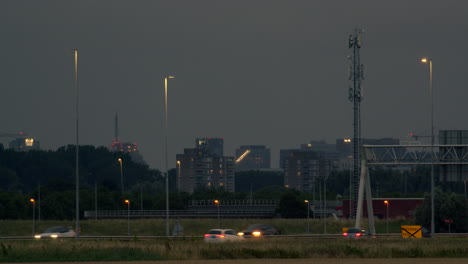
[68, 250]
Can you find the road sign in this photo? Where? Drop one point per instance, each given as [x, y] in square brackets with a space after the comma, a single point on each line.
[411, 231]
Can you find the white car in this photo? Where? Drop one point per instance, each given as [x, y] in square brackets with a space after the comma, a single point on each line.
[222, 235]
[56, 232]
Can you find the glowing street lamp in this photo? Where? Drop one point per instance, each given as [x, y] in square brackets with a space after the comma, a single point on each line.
[308, 209]
[165, 144]
[387, 204]
[178, 175]
[217, 203]
[429, 60]
[121, 174]
[33, 214]
[128, 216]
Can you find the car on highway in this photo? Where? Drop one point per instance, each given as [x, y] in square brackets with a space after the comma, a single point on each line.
[221, 235]
[354, 233]
[259, 230]
[56, 232]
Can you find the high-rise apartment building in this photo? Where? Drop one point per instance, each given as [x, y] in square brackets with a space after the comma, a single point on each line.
[303, 169]
[252, 157]
[205, 167]
[210, 146]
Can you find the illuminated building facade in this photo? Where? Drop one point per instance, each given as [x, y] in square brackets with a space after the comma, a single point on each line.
[24, 144]
[118, 146]
[202, 167]
[252, 157]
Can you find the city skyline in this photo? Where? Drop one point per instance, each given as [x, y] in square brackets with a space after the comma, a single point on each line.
[253, 73]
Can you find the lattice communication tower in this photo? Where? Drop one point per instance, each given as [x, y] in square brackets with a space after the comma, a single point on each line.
[356, 76]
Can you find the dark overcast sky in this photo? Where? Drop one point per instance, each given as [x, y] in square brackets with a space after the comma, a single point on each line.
[253, 72]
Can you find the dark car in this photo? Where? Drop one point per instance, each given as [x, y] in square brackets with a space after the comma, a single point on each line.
[259, 230]
[355, 233]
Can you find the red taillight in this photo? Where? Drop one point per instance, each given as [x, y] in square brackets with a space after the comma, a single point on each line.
[345, 234]
[221, 236]
[358, 234]
[207, 235]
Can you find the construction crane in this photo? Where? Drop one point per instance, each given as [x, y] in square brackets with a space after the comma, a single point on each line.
[356, 76]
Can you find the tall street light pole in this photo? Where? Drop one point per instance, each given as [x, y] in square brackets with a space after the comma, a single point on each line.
[387, 204]
[77, 191]
[33, 215]
[165, 147]
[217, 203]
[121, 174]
[308, 209]
[128, 216]
[178, 175]
[429, 60]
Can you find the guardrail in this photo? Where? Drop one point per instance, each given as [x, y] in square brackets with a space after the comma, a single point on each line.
[305, 236]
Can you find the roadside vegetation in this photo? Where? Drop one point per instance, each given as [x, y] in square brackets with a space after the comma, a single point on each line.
[284, 248]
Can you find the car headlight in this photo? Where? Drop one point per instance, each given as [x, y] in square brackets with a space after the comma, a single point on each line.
[53, 236]
[240, 233]
[37, 236]
[256, 233]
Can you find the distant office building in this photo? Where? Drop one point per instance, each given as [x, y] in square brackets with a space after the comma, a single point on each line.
[118, 146]
[304, 169]
[24, 144]
[210, 146]
[130, 148]
[205, 167]
[127, 147]
[344, 146]
[323, 149]
[453, 173]
[319, 146]
[252, 157]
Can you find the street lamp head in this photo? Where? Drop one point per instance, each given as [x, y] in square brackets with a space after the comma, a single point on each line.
[32, 200]
[120, 160]
[216, 201]
[426, 60]
[385, 202]
[306, 201]
[127, 201]
[171, 77]
[178, 162]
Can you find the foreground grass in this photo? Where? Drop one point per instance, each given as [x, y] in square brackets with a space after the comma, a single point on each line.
[192, 227]
[274, 248]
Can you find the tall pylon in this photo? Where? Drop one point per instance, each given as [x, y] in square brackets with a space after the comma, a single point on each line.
[356, 76]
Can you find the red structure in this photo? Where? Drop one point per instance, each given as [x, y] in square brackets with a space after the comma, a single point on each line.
[397, 207]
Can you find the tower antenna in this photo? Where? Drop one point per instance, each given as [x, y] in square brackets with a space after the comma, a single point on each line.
[356, 76]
